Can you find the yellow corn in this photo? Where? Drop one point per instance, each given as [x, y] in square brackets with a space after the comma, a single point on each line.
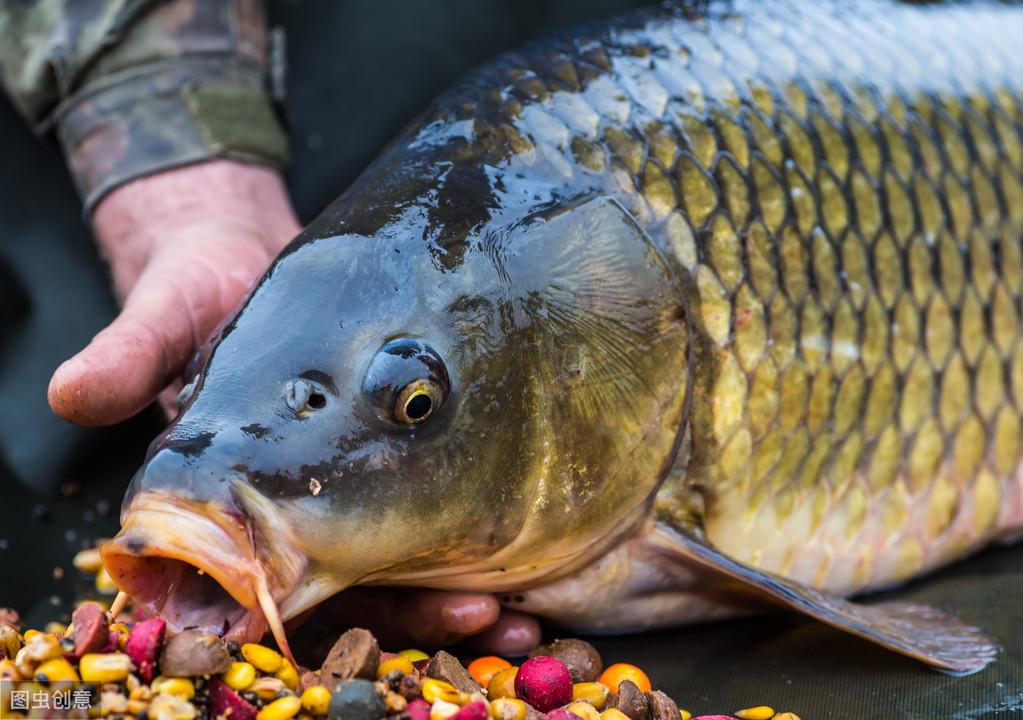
[8, 670]
[56, 670]
[104, 667]
[88, 561]
[283, 709]
[39, 648]
[137, 706]
[434, 690]
[178, 687]
[394, 702]
[508, 709]
[31, 633]
[136, 690]
[583, 709]
[262, 657]
[240, 675]
[266, 687]
[105, 583]
[686, 715]
[288, 674]
[316, 699]
[396, 663]
[442, 710]
[594, 693]
[170, 707]
[414, 655]
[760, 712]
[613, 714]
[786, 716]
[56, 628]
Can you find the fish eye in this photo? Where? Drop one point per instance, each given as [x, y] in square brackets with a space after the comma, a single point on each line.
[416, 401]
[407, 382]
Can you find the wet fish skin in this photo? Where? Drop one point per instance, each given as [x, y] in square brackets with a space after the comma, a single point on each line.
[835, 192]
[840, 189]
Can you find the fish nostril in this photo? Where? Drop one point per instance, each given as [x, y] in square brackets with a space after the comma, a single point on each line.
[317, 400]
[302, 395]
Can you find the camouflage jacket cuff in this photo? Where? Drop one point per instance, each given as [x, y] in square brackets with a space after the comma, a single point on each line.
[166, 115]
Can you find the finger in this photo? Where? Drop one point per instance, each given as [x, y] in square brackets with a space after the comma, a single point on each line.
[514, 633]
[397, 617]
[178, 300]
[434, 618]
[168, 399]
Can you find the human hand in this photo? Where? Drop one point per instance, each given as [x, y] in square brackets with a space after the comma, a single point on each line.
[184, 247]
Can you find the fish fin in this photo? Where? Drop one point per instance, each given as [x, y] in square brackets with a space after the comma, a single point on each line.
[918, 631]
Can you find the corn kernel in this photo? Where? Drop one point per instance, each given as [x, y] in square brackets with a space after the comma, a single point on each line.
[394, 702]
[786, 716]
[104, 667]
[508, 709]
[502, 684]
[240, 675]
[8, 670]
[685, 714]
[171, 707]
[178, 687]
[88, 561]
[30, 633]
[396, 663]
[112, 702]
[138, 691]
[442, 710]
[262, 657]
[137, 706]
[39, 648]
[56, 628]
[583, 709]
[266, 688]
[284, 708]
[56, 670]
[414, 655]
[594, 693]
[288, 674]
[105, 583]
[613, 714]
[434, 690]
[316, 699]
[760, 712]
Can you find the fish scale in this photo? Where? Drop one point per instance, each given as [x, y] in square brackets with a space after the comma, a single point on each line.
[841, 186]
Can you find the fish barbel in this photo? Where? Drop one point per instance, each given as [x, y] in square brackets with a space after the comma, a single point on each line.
[634, 324]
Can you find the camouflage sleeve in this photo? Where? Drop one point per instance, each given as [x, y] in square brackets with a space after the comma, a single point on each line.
[133, 87]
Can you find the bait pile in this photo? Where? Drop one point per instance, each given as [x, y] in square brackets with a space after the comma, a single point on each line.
[136, 671]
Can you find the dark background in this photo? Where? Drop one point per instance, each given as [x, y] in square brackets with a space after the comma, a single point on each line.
[357, 72]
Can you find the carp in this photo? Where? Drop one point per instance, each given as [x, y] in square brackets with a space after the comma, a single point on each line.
[637, 325]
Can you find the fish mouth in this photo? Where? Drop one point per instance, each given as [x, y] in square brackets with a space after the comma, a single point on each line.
[195, 565]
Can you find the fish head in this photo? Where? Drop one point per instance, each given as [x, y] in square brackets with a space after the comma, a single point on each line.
[382, 412]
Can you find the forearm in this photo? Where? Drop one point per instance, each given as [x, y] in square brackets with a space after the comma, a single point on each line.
[136, 88]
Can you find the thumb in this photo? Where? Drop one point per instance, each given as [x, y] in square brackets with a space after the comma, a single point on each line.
[176, 303]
